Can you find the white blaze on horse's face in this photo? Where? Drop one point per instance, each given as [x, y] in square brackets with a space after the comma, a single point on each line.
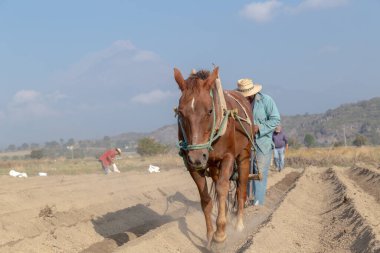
[192, 104]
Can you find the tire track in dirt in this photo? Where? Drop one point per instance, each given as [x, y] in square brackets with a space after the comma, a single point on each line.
[325, 212]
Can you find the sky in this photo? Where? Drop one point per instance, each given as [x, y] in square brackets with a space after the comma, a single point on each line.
[90, 68]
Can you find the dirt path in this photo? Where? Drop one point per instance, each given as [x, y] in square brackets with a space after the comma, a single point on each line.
[318, 210]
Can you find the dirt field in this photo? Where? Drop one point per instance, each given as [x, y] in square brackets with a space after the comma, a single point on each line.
[311, 210]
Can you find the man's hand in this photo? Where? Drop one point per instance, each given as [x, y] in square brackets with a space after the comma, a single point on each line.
[255, 129]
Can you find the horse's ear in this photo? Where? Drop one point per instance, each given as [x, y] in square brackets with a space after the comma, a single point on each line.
[179, 79]
[211, 79]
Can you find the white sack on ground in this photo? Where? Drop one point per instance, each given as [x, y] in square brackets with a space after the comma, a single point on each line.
[115, 169]
[153, 168]
[14, 173]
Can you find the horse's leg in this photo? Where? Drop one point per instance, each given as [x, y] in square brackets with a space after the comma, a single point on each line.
[222, 187]
[206, 202]
[244, 164]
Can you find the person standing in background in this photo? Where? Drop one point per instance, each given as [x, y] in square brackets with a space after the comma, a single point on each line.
[280, 147]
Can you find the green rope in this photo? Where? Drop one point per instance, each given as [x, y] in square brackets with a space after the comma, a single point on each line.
[184, 146]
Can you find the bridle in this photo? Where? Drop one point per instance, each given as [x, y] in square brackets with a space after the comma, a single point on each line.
[215, 134]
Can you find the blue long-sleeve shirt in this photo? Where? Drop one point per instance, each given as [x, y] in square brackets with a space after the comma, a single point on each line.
[267, 117]
[280, 140]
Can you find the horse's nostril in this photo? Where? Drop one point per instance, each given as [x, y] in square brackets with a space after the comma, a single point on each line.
[204, 156]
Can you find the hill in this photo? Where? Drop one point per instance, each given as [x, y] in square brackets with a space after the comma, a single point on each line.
[334, 127]
[328, 128]
[348, 120]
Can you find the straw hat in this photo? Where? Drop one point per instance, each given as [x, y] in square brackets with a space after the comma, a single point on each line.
[118, 150]
[247, 87]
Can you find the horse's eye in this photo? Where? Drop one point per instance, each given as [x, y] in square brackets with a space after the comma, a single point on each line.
[210, 111]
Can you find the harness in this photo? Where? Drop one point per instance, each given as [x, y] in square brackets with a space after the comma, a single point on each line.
[184, 145]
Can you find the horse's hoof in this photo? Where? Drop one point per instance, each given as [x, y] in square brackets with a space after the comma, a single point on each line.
[218, 246]
[219, 239]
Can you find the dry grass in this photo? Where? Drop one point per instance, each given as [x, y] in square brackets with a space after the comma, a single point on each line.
[341, 156]
[88, 165]
[297, 158]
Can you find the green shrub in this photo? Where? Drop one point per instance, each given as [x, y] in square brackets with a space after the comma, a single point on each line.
[36, 154]
[309, 140]
[360, 140]
[148, 146]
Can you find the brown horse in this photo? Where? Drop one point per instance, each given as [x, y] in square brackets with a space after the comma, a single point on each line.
[206, 153]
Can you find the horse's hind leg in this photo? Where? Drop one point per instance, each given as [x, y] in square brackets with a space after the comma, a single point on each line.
[244, 164]
[206, 202]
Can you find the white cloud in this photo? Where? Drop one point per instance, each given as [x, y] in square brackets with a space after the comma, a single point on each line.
[265, 11]
[110, 66]
[319, 4]
[56, 96]
[31, 104]
[25, 96]
[153, 97]
[261, 11]
[116, 72]
[143, 56]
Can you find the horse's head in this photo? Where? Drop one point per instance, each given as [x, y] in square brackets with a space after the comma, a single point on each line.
[196, 114]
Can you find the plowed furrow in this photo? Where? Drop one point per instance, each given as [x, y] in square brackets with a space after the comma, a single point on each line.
[367, 179]
[325, 212]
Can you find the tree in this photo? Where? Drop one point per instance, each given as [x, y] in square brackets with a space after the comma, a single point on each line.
[309, 140]
[148, 146]
[70, 142]
[34, 145]
[293, 143]
[36, 154]
[24, 146]
[338, 144]
[11, 147]
[359, 140]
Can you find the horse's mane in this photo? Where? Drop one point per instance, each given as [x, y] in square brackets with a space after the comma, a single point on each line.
[192, 80]
[201, 74]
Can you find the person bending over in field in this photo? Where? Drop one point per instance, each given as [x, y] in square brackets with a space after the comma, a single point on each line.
[107, 160]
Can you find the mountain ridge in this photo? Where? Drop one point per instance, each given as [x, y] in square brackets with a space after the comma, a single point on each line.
[331, 127]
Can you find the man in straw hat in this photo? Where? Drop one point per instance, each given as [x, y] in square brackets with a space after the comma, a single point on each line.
[266, 117]
[107, 160]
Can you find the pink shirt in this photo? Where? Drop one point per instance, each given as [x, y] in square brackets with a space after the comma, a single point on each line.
[108, 156]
